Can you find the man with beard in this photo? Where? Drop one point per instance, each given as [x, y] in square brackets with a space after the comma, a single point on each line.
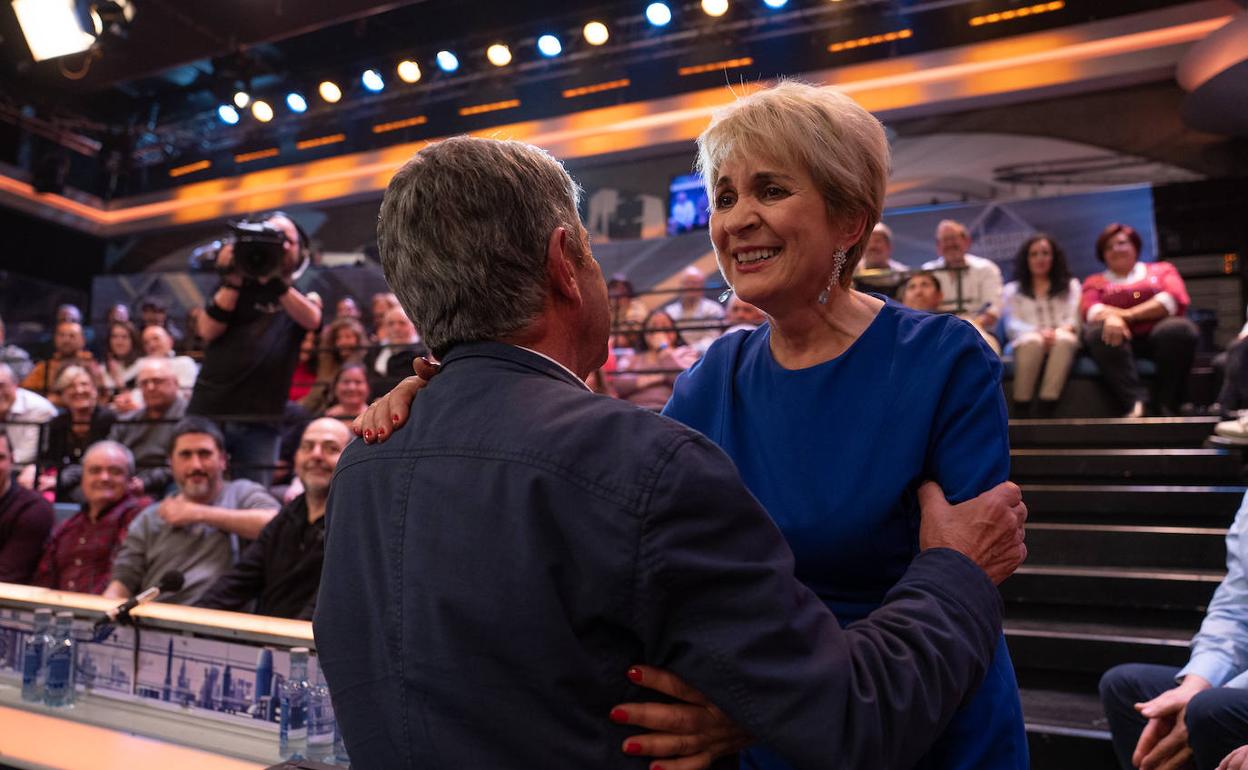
[281, 570]
[199, 530]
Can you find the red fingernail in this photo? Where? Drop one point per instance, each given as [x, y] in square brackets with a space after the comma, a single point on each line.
[656, 767]
[634, 674]
[632, 747]
[619, 715]
[394, 418]
[368, 435]
[381, 432]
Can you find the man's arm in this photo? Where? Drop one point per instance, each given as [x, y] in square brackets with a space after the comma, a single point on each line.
[724, 611]
[21, 550]
[304, 311]
[247, 523]
[244, 581]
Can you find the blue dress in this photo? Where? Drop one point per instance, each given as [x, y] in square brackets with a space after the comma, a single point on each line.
[835, 453]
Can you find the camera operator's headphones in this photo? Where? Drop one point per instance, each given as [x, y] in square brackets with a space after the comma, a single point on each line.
[305, 243]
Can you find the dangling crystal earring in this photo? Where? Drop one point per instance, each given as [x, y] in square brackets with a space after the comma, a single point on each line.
[838, 264]
[725, 294]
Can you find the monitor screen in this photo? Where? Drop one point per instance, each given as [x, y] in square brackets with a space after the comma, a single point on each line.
[687, 205]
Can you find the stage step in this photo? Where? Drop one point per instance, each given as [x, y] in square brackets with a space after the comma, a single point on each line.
[1112, 432]
[1093, 648]
[1112, 587]
[1066, 731]
[1148, 465]
[1113, 545]
[1192, 504]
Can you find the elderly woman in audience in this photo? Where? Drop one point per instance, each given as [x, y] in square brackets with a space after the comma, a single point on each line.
[1041, 318]
[646, 378]
[342, 342]
[381, 303]
[80, 423]
[349, 392]
[121, 362]
[1135, 309]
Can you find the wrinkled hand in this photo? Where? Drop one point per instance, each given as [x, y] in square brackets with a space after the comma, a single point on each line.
[1163, 744]
[389, 413]
[1236, 760]
[989, 529]
[689, 735]
[1114, 330]
[177, 511]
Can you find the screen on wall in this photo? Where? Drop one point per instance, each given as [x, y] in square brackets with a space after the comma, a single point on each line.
[687, 205]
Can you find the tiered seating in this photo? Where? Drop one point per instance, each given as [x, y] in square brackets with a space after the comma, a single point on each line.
[1126, 528]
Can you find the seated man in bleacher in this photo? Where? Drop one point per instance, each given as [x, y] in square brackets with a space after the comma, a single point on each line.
[198, 531]
[25, 521]
[972, 284]
[1164, 717]
[921, 291]
[148, 432]
[21, 413]
[69, 347]
[281, 570]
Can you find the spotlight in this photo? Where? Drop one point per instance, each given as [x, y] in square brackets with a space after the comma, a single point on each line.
[372, 80]
[242, 99]
[228, 115]
[658, 14]
[329, 91]
[596, 33]
[261, 110]
[296, 102]
[447, 61]
[111, 14]
[549, 45]
[775, 3]
[715, 7]
[52, 28]
[499, 55]
[409, 71]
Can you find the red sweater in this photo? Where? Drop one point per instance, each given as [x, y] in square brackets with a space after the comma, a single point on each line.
[1158, 277]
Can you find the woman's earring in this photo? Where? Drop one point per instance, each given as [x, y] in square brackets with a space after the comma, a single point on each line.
[725, 294]
[838, 264]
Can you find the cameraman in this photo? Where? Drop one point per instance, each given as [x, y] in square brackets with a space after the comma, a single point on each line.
[253, 327]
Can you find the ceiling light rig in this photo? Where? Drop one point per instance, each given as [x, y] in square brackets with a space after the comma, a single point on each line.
[499, 55]
[658, 14]
[596, 33]
[408, 71]
[447, 61]
[715, 8]
[549, 46]
[329, 91]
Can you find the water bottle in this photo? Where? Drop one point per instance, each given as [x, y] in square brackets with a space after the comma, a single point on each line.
[34, 657]
[340, 748]
[59, 680]
[293, 729]
[320, 720]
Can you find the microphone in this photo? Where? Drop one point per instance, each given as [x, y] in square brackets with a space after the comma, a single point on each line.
[170, 582]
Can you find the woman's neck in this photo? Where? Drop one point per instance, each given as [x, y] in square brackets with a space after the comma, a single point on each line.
[812, 334]
[1040, 285]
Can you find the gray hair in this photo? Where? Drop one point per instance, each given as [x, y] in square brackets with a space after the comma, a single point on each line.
[9, 371]
[110, 444]
[463, 231]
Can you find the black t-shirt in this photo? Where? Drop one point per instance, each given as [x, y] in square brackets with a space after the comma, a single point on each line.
[247, 370]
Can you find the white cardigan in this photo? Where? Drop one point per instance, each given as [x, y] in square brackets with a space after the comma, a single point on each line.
[1025, 314]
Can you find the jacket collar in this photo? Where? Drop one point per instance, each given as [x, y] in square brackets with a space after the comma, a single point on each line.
[504, 352]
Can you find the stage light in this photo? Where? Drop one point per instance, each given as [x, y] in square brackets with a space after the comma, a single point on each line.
[52, 28]
[775, 3]
[261, 111]
[409, 71]
[372, 80]
[499, 55]
[658, 14]
[329, 91]
[596, 33]
[242, 99]
[228, 115]
[296, 102]
[549, 45]
[447, 61]
[111, 14]
[715, 7]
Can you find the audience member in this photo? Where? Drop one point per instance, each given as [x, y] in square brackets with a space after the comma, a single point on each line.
[393, 361]
[254, 329]
[25, 521]
[198, 530]
[69, 348]
[121, 362]
[743, 315]
[1041, 316]
[921, 291]
[347, 308]
[695, 314]
[646, 379]
[79, 556]
[304, 377]
[281, 571]
[381, 303]
[1166, 717]
[17, 358]
[878, 255]
[68, 313]
[80, 423]
[148, 432]
[1137, 309]
[628, 312]
[343, 342]
[349, 394]
[972, 284]
[157, 343]
[21, 413]
[154, 311]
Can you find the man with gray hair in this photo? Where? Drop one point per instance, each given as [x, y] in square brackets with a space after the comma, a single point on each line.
[79, 557]
[972, 285]
[530, 539]
[149, 431]
[878, 255]
[21, 413]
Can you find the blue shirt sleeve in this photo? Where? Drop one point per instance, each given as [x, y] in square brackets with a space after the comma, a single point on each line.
[1220, 648]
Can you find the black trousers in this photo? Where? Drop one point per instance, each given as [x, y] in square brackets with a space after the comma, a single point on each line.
[1234, 393]
[1172, 346]
[1217, 719]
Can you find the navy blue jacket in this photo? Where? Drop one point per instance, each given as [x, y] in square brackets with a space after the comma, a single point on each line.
[494, 568]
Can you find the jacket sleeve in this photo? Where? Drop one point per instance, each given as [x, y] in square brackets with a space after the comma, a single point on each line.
[1172, 283]
[1220, 648]
[1093, 288]
[21, 550]
[718, 604]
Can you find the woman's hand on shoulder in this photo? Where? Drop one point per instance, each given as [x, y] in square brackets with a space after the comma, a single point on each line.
[389, 413]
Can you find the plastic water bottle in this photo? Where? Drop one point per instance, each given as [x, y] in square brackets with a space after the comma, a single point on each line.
[340, 748]
[320, 720]
[293, 730]
[34, 657]
[59, 681]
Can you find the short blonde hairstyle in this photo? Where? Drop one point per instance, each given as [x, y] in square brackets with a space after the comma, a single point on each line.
[67, 375]
[841, 145]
